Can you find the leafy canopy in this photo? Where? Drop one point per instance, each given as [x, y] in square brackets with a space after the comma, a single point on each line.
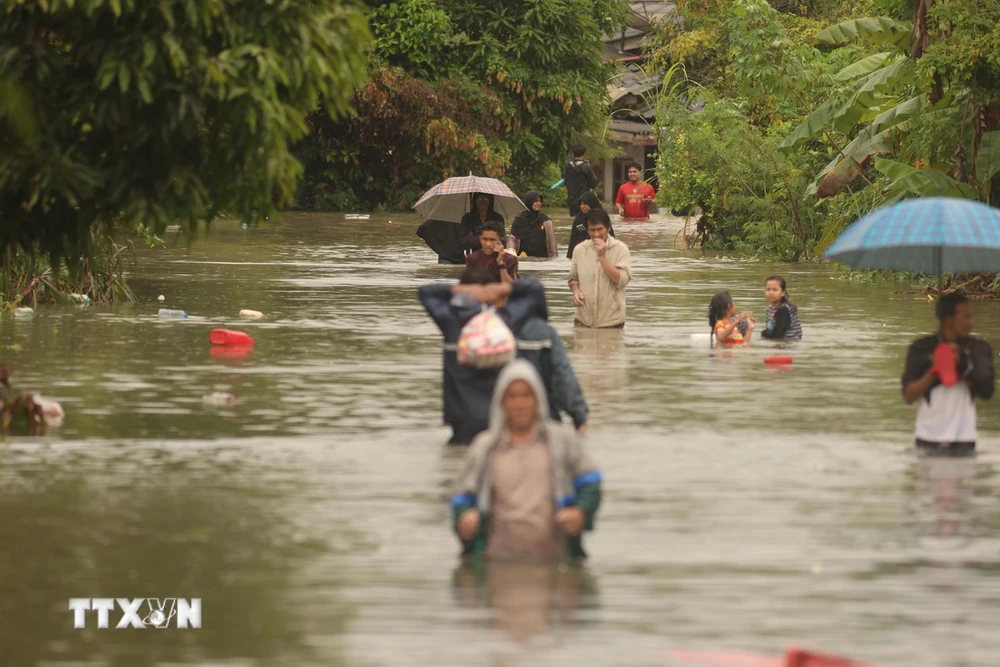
[501, 88]
[159, 113]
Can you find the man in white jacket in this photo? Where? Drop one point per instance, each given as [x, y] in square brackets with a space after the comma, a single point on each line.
[601, 268]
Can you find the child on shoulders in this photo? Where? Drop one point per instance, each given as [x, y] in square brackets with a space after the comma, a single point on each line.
[725, 323]
[782, 316]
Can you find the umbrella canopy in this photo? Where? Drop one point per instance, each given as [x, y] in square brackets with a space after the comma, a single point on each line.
[450, 200]
[933, 235]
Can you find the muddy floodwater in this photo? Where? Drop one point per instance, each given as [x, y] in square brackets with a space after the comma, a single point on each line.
[746, 508]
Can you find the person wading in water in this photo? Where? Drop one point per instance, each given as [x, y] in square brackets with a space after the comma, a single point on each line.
[503, 265]
[634, 197]
[579, 177]
[600, 271]
[588, 202]
[529, 488]
[946, 372]
[481, 211]
[531, 232]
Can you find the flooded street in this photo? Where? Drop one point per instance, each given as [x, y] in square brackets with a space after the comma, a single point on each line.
[746, 508]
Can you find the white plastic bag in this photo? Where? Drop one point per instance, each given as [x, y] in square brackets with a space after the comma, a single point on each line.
[485, 341]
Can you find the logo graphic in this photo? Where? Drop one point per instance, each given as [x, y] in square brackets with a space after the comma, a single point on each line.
[160, 613]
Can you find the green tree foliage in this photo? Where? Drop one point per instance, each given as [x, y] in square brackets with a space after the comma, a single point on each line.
[160, 113]
[407, 132]
[844, 111]
[498, 88]
[719, 138]
[930, 103]
[750, 194]
[415, 36]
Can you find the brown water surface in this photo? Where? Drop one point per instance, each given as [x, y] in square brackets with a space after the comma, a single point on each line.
[746, 508]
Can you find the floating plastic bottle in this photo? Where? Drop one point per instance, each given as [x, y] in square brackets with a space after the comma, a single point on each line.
[23, 311]
[251, 314]
[168, 313]
[79, 298]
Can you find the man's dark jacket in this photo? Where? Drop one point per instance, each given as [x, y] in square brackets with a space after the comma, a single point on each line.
[467, 390]
[579, 177]
[975, 364]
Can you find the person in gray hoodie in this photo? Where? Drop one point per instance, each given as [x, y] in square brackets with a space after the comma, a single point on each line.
[529, 487]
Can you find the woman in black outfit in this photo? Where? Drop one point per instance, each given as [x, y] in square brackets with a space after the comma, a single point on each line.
[480, 211]
[532, 232]
[588, 202]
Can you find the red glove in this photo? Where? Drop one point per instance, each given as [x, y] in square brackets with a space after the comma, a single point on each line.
[945, 364]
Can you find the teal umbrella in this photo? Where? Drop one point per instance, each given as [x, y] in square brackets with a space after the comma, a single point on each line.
[932, 235]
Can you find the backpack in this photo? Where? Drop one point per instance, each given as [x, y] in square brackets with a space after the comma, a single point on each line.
[485, 341]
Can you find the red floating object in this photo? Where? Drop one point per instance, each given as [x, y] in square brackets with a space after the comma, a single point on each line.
[798, 658]
[226, 353]
[228, 337]
[782, 360]
[793, 657]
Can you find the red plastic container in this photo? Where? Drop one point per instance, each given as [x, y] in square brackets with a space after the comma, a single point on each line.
[779, 360]
[229, 337]
[798, 658]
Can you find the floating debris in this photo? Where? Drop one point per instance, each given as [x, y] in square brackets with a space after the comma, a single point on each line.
[252, 314]
[51, 410]
[218, 398]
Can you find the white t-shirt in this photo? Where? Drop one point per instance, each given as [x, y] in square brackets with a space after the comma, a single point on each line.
[950, 416]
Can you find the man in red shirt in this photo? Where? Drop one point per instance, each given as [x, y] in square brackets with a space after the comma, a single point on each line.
[634, 197]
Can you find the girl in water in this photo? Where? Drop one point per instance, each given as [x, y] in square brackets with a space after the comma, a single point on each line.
[782, 316]
[725, 323]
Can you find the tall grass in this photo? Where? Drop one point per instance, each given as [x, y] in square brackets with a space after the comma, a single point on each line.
[28, 276]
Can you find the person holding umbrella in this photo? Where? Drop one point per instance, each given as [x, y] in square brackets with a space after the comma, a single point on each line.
[455, 211]
[946, 372]
[481, 211]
